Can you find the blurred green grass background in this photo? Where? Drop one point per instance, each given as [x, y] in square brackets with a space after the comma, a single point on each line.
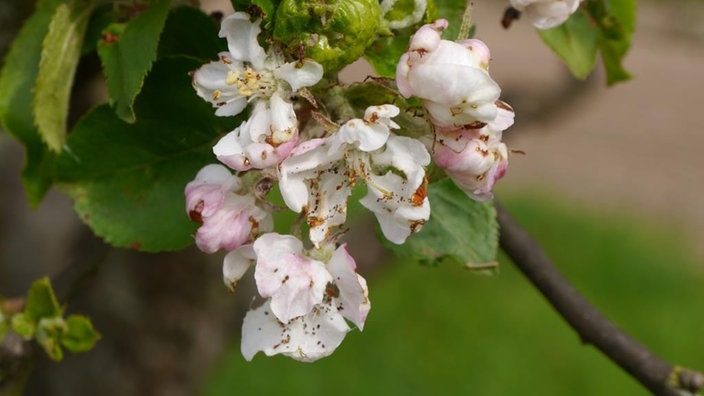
[444, 330]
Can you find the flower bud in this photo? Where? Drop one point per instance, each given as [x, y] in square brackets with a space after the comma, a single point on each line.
[333, 32]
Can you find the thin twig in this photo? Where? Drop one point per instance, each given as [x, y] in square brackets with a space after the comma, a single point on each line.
[659, 376]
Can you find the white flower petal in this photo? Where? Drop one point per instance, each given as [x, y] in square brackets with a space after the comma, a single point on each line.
[371, 133]
[427, 38]
[353, 299]
[403, 68]
[327, 204]
[236, 263]
[398, 215]
[230, 151]
[241, 36]
[294, 282]
[231, 108]
[365, 137]
[546, 14]
[454, 85]
[302, 163]
[217, 174]
[504, 117]
[381, 114]
[283, 125]
[448, 116]
[261, 155]
[210, 84]
[407, 155]
[306, 338]
[300, 74]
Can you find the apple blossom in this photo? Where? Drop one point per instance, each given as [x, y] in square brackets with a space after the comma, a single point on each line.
[546, 14]
[244, 74]
[451, 78]
[475, 158]
[318, 176]
[228, 214]
[308, 299]
[305, 338]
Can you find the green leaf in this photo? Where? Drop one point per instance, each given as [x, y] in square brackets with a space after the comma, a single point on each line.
[385, 52]
[127, 180]
[81, 336]
[575, 42]
[41, 301]
[49, 332]
[611, 58]
[17, 81]
[617, 25]
[188, 31]
[103, 15]
[624, 13]
[61, 50]
[459, 230]
[127, 52]
[452, 10]
[23, 325]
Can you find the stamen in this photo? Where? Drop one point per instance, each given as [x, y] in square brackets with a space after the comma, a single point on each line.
[232, 77]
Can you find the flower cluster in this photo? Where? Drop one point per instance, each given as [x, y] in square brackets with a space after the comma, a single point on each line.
[312, 295]
[452, 79]
[246, 74]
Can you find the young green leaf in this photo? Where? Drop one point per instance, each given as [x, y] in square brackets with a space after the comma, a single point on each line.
[575, 42]
[127, 180]
[616, 20]
[17, 80]
[80, 336]
[460, 229]
[41, 301]
[49, 333]
[61, 50]
[23, 325]
[127, 52]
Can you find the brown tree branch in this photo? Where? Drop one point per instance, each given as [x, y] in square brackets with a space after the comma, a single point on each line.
[659, 376]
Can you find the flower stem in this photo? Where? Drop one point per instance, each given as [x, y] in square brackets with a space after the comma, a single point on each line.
[466, 22]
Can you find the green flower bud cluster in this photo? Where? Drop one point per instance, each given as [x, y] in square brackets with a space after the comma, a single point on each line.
[333, 33]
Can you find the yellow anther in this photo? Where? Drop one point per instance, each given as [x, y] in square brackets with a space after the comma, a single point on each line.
[243, 89]
[232, 77]
[216, 94]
